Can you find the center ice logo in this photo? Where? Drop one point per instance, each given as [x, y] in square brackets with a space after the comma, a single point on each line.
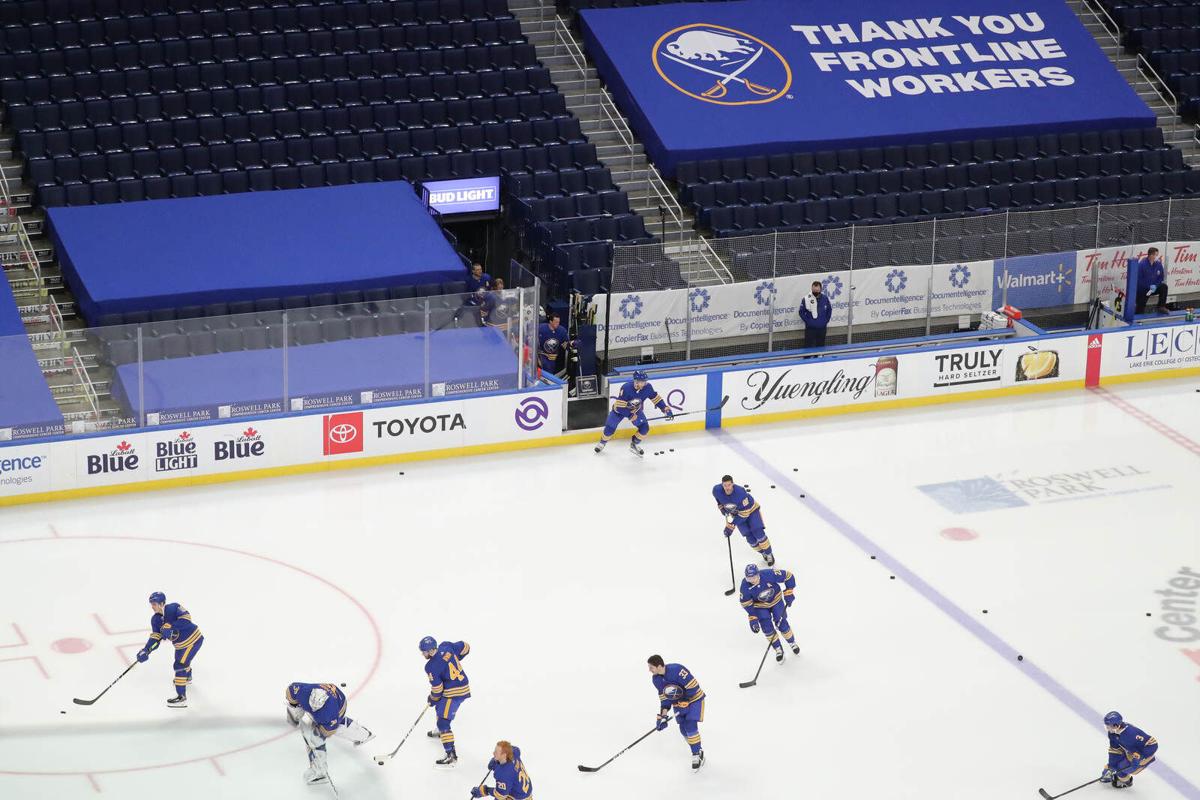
[720, 65]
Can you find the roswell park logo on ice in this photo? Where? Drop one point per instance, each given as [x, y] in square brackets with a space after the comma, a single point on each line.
[1016, 489]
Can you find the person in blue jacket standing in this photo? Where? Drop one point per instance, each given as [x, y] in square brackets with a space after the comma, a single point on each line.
[1151, 279]
[815, 311]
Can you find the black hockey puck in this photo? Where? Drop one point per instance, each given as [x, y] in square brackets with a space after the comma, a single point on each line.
[872, 558]
[62, 712]
[672, 449]
[772, 486]
[802, 495]
[985, 611]
[794, 469]
[1147, 613]
[401, 473]
[1020, 658]
[342, 685]
[891, 577]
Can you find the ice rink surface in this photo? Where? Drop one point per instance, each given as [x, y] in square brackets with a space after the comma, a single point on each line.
[1070, 518]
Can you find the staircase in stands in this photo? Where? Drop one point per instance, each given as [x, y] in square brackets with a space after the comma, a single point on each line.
[560, 50]
[45, 304]
[1141, 77]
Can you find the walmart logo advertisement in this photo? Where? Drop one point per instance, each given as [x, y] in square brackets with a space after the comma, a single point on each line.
[720, 65]
[1040, 281]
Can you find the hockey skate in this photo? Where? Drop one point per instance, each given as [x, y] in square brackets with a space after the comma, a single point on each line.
[698, 760]
[795, 649]
[635, 449]
[450, 760]
[779, 656]
[1122, 783]
[599, 448]
[315, 777]
[178, 701]
[433, 734]
[770, 559]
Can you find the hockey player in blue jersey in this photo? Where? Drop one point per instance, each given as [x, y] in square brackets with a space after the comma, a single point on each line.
[678, 688]
[173, 623]
[512, 781]
[1130, 750]
[448, 688]
[743, 512]
[766, 595]
[325, 705]
[630, 404]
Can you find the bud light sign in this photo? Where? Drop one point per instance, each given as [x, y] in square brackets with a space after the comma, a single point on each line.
[466, 196]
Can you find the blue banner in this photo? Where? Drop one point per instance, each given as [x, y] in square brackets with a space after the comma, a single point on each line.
[707, 80]
[1040, 281]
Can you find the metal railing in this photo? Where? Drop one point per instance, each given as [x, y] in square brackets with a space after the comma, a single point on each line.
[1081, 250]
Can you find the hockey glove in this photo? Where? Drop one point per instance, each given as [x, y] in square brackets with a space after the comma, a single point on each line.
[728, 531]
[294, 715]
[143, 655]
[1153, 286]
[754, 626]
[480, 791]
[660, 722]
[788, 600]
[670, 414]
[492, 764]
[432, 700]
[1107, 775]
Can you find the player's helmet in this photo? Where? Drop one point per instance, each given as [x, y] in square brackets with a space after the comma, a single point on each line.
[317, 698]
[640, 375]
[751, 570]
[427, 643]
[673, 692]
[1113, 718]
[158, 597]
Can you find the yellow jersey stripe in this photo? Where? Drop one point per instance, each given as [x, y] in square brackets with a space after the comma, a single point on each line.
[189, 641]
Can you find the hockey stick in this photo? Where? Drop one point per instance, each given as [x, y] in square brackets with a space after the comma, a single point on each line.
[732, 579]
[79, 702]
[638, 741]
[697, 411]
[1048, 796]
[380, 759]
[482, 782]
[754, 680]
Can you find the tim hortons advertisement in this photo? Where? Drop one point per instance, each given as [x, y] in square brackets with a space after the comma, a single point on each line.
[1108, 267]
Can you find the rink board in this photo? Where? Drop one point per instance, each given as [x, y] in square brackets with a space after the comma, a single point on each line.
[707, 398]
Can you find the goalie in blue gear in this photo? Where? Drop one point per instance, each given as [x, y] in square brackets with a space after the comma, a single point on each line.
[678, 689]
[448, 688]
[742, 511]
[630, 404]
[172, 622]
[766, 595]
[325, 705]
[1130, 750]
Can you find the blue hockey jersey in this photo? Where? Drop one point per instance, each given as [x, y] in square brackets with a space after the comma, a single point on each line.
[774, 586]
[512, 781]
[740, 503]
[329, 716]
[445, 672]
[630, 401]
[174, 625]
[1130, 745]
[680, 676]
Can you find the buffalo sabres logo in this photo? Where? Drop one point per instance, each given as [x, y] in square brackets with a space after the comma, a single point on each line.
[721, 65]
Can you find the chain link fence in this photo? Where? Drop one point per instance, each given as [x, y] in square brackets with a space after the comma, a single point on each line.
[1090, 239]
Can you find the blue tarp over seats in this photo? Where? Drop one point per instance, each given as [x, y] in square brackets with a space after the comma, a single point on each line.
[161, 254]
[328, 374]
[27, 409]
[712, 80]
